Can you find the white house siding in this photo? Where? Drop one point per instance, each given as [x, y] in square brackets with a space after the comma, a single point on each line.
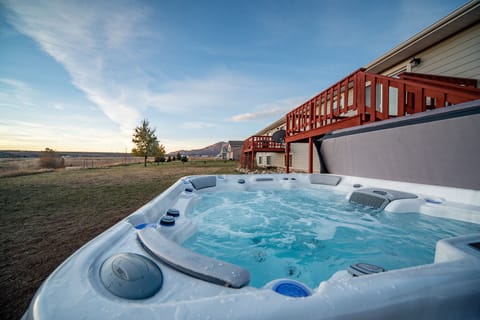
[234, 151]
[299, 152]
[277, 159]
[457, 56]
[234, 155]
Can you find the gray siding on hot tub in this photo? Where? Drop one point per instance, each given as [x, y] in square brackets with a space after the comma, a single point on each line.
[439, 147]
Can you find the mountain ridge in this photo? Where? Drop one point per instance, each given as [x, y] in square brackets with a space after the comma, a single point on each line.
[212, 150]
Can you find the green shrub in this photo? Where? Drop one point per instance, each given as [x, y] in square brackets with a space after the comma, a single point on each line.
[160, 159]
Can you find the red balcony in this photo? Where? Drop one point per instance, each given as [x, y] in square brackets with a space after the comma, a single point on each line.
[364, 97]
[360, 98]
[256, 144]
[262, 143]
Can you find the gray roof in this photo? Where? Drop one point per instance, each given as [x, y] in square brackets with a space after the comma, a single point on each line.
[273, 125]
[235, 143]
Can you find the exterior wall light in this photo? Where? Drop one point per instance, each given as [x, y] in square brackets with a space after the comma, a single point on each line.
[415, 62]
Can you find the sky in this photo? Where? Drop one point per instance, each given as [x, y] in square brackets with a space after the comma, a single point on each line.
[81, 75]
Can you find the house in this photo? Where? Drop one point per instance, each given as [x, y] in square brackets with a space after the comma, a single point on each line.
[261, 150]
[435, 68]
[234, 149]
[223, 153]
[271, 153]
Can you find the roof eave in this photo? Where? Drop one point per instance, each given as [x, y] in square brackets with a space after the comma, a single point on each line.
[271, 126]
[455, 22]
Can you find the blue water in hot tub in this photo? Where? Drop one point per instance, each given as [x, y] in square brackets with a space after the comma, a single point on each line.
[308, 235]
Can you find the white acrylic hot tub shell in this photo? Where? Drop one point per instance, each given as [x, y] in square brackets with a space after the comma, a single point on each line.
[446, 289]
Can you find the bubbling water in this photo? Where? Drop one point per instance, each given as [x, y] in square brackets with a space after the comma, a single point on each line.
[308, 235]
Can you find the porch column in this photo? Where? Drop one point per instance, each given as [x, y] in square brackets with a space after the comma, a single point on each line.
[310, 155]
[287, 157]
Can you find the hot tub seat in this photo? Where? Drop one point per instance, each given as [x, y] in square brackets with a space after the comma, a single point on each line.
[191, 263]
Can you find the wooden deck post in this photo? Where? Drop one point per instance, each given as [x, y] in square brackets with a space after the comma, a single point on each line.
[287, 157]
[310, 155]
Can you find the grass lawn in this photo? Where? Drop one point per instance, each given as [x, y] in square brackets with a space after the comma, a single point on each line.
[46, 217]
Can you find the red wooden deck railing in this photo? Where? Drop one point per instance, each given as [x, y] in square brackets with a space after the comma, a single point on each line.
[262, 143]
[366, 97]
[254, 144]
[359, 98]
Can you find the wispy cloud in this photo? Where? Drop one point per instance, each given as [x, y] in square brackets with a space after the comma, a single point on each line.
[218, 89]
[257, 115]
[270, 110]
[135, 59]
[96, 45]
[84, 38]
[15, 94]
[196, 125]
[62, 136]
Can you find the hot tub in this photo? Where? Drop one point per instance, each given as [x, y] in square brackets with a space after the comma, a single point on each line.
[145, 266]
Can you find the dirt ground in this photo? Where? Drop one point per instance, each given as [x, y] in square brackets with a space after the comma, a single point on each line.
[46, 217]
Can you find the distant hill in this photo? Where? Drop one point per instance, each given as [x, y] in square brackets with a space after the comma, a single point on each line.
[210, 151]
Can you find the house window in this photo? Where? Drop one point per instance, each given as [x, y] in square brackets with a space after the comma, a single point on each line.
[367, 95]
[393, 101]
[259, 160]
[269, 160]
[379, 97]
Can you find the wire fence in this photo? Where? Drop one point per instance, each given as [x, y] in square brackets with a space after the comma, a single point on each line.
[87, 162]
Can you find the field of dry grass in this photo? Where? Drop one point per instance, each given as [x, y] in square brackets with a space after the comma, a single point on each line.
[18, 166]
[46, 217]
[14, 166]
